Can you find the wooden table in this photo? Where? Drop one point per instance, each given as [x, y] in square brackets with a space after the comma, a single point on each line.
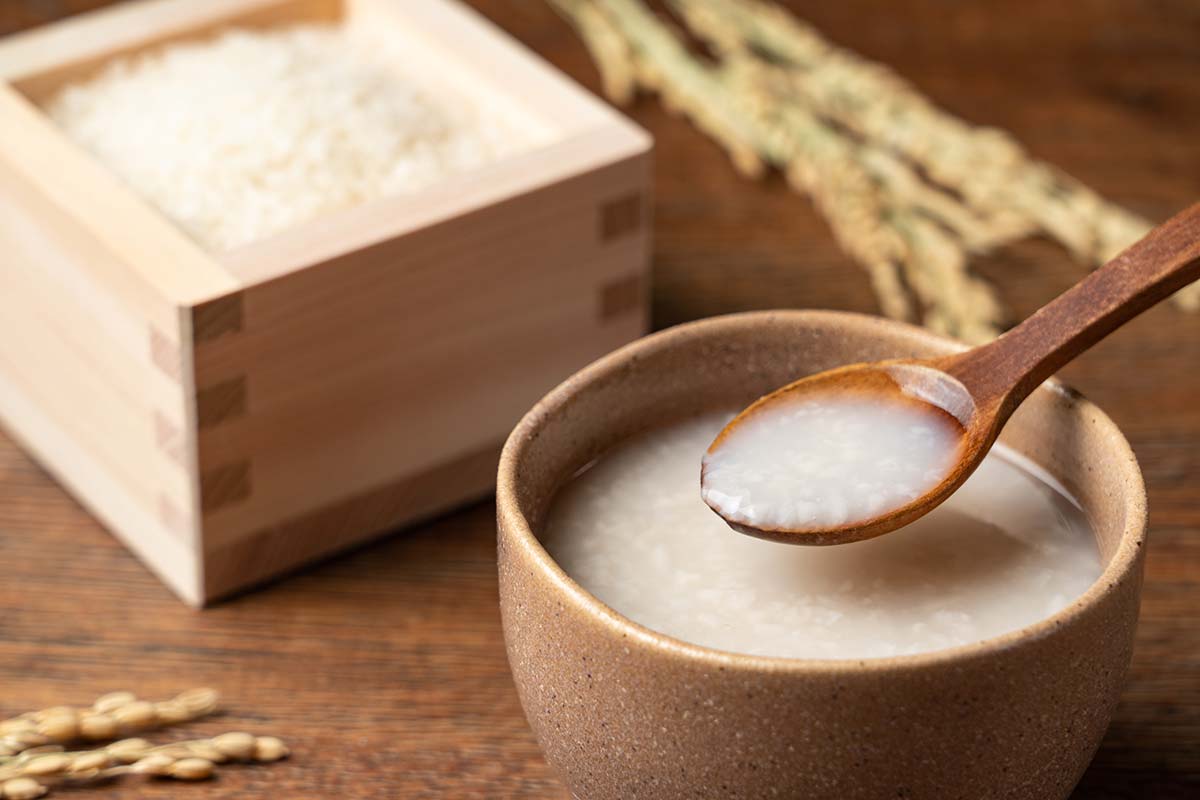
[385, 668]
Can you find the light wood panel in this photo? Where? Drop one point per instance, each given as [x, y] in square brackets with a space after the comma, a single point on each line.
[288, 544]
[84, 383]
[306, 356]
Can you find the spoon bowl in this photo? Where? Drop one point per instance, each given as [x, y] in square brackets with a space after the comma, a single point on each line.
[859, 451]
[920, 390]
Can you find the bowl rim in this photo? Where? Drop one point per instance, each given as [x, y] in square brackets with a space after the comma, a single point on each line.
[513, 523]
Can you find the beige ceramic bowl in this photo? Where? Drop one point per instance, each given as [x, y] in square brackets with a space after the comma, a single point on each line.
[624, 712]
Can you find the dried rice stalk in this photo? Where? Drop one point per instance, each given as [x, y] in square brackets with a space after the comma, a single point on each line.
[910, 191]
[607, 47]
[31, 773]
[114, 714]
[34, 757]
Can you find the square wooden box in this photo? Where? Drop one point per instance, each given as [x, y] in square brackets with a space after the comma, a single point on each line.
[232, 417]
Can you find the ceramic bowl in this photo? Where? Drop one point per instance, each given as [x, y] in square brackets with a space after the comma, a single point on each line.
[624, 712]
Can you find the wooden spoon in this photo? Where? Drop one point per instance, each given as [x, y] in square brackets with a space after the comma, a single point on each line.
[974, 392]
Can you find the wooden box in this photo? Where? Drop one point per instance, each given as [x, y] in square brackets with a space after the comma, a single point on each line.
[232, 417]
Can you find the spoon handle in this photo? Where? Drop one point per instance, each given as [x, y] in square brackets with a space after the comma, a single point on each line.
[1007, 369]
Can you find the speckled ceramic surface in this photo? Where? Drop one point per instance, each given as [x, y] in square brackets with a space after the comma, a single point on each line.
[623, 712]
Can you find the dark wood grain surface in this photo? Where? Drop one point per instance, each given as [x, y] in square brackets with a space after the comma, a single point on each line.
[385, 668]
